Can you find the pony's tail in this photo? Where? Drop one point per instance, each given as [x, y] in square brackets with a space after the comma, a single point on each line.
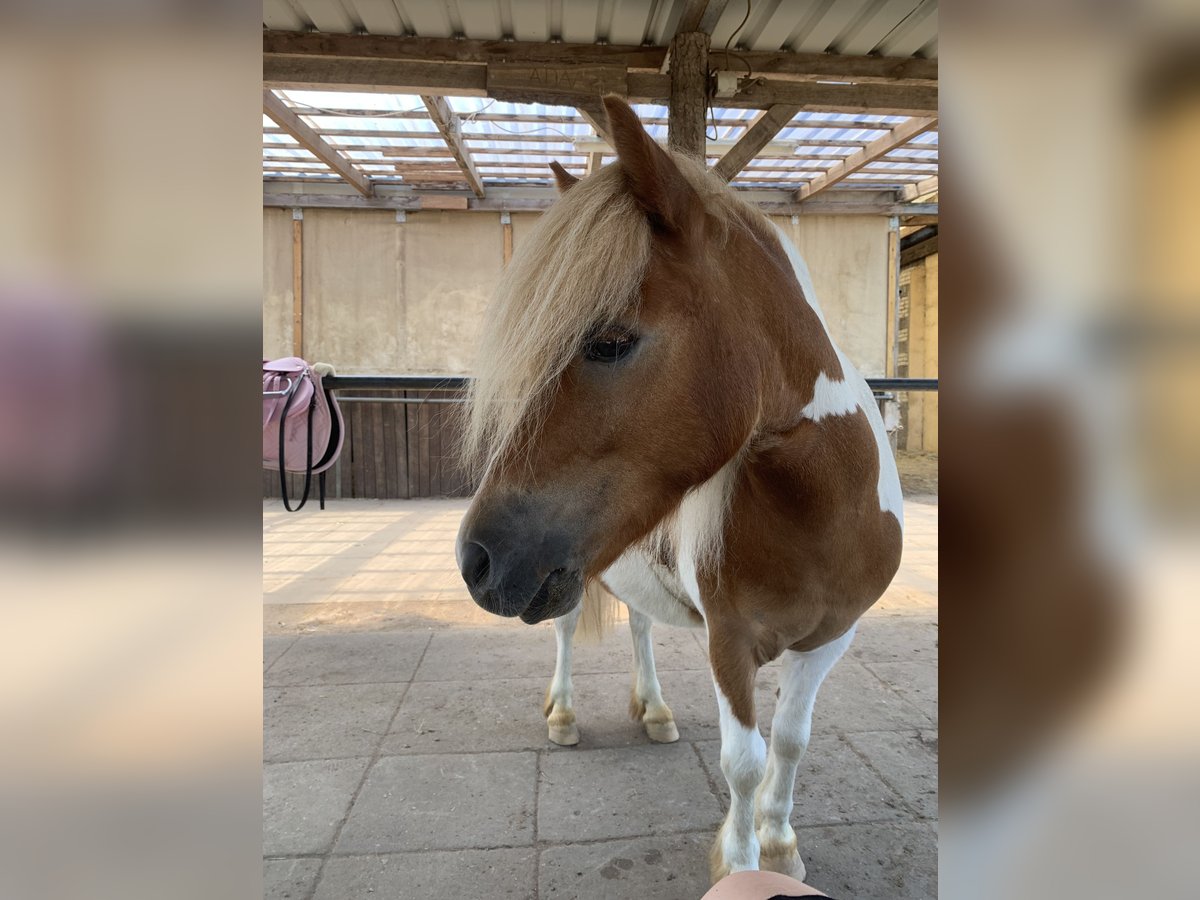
[599, 613]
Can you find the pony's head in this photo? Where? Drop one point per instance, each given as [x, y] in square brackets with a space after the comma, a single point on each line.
[622, 364]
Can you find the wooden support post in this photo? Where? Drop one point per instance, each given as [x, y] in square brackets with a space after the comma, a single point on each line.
[298, 283]
[893, 296]
[506, 224]
[689, 93]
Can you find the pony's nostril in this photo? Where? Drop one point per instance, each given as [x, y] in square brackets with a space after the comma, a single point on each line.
[476, 563]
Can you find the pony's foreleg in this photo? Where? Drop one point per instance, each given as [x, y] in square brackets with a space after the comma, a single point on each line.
[559, 708]
[743, 755]
[645, 702]
[790, 730]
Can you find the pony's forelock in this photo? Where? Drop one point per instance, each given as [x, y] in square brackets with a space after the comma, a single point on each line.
[581, 267]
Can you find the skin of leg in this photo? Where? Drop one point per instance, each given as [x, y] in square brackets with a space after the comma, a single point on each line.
[559, 707]
[646, 702]
[790, 730]
[743, 758]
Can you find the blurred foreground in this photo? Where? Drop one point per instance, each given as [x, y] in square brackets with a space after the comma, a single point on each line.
[129, 307]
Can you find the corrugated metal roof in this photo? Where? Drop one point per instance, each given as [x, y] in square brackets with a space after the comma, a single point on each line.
[857, 27]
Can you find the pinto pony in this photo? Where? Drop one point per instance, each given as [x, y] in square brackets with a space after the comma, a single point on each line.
[659, 409]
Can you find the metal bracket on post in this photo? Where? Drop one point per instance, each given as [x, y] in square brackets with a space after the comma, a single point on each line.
[795, 219]
[298, 215]
[505, 218]
[401, 216]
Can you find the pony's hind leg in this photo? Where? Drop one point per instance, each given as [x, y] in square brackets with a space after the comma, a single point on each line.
[790, 730]
[559, 707]
[645, 702]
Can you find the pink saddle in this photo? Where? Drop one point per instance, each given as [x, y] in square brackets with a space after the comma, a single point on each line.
[302, 425]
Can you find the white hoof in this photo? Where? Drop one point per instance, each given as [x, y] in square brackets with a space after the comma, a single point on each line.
[662, 732]
[783, 858]
[565, 735]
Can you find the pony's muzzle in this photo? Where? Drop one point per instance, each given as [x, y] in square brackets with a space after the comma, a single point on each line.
[511, 585]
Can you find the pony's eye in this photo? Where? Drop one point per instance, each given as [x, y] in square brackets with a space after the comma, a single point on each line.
[608, 347]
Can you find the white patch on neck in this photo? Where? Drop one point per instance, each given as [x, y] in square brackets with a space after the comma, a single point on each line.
[700, 525]
[830, 398]
[848, 395]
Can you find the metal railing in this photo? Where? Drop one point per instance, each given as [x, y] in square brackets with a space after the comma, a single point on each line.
[460, 383]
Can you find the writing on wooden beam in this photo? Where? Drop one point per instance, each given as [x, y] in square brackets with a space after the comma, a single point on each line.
[515, 83]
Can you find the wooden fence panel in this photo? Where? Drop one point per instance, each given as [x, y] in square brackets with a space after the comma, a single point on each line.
[393, 450]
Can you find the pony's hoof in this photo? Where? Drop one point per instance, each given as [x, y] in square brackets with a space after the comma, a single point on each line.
[784, 860]
[565, 735]
[662, 732]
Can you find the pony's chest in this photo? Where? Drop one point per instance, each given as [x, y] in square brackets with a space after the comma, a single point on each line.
[652, 586]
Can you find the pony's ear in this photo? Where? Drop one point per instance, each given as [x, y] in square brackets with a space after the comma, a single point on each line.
[564, 179]
[654, 179]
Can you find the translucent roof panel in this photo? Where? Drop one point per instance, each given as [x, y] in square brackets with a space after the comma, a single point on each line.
[392, 138]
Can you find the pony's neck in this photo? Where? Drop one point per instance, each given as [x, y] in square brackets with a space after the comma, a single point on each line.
[798, 349]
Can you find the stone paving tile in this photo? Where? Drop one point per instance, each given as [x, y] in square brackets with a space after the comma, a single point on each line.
[665, 868]
[273, 647]
[349, 659]
[852, 698]
[443, 802]
[907, 762]
[327, 721]
[289, 879]
[481, 654]
[432, 875]
[872, 862]
[598, 794]
[463, 716]
[833, 785]
[896, 639]
[916, 682]
[303, 803]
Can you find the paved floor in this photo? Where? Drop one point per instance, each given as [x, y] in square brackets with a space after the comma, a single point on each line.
[406, 755]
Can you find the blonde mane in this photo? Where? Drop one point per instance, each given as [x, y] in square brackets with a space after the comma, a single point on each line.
[580, 268]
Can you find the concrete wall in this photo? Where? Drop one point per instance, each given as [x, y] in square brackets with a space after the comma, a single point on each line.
[389, 298]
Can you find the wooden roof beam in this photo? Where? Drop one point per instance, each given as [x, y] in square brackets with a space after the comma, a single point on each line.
[449, 125]
[593, 113]
[764, 129]
[897, 137]
[700, 15]
[921, 189]
[564, 84]
[286, 119]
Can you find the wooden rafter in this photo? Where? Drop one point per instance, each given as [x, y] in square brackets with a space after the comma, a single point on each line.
[450, 127]
[286, 119]
[593, 113]
[766, 125]
[897, 137]
[921, 189]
